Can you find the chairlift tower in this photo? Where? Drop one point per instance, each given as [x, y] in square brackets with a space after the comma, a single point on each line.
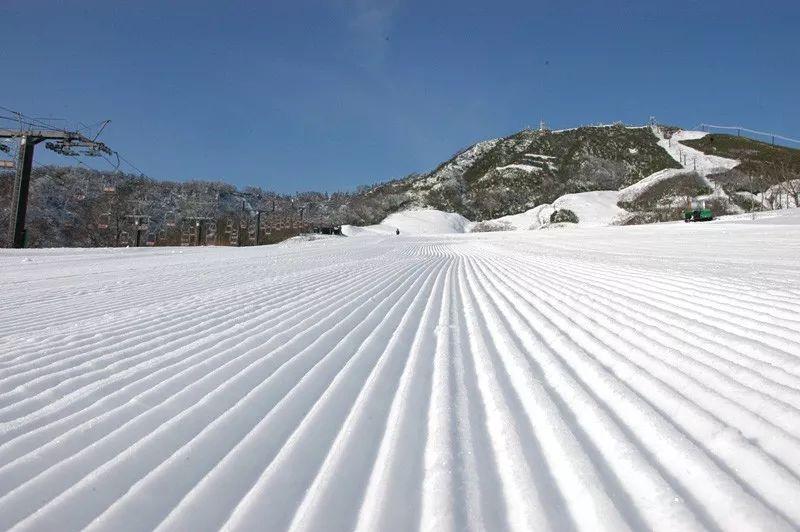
[140, 224]
[60, 141]
[200, 224]
[259, 212]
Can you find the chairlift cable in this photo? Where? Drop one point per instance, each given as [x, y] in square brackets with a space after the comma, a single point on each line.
[29, 120]
[106, 159]
[89, 126]
[105, 123]
[126, 161]
[751, 131]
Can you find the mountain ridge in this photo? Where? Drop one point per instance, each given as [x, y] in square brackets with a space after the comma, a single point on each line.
[649, 165]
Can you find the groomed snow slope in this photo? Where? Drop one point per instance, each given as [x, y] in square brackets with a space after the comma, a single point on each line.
[414, 222]
[690, 158]
[693, 159]
[610, 378]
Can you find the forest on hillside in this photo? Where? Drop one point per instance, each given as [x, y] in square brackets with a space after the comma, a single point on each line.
[77, 206]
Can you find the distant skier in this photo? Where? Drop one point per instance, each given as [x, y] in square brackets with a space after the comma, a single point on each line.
[397, 232]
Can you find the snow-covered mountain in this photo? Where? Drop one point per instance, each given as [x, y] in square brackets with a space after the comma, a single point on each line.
[593, 175]
[614, 173]
[510, 175]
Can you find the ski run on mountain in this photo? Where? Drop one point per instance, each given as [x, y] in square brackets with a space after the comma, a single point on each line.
[573, 378]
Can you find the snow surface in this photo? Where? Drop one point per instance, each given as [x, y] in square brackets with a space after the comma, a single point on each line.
[377, 229]
[689, 158]
[413, 222]
[524, 167]
[427, 221]
[531, 219]
[777, 217]
[693, 159]
[592, 208]
[612, 378]
[635, 190]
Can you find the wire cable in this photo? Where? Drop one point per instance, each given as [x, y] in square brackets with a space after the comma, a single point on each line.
[126, 161]
[752, 131]
[29, 121]
[114, 166]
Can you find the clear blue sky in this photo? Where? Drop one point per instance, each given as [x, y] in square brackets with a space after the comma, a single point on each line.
[327, 95]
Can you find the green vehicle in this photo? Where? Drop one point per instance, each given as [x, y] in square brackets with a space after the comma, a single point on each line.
[697, 212]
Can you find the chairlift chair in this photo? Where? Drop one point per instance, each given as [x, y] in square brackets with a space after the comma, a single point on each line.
[105, 220]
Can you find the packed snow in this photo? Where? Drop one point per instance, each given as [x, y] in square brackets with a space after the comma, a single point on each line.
[693, 159]
[630, 193]
[531, 219]
[413, 222]
[608, 378]
[592, 208]
[777, 217]
[377, 229]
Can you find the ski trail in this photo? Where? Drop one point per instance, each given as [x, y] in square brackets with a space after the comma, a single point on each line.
[588, 379]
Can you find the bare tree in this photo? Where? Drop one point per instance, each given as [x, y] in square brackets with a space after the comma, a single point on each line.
[790, 185]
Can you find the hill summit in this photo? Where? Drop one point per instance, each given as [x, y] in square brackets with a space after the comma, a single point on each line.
[610, 173]
[655, 169]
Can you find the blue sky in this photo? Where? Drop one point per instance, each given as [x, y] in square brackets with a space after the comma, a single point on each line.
[327, 95]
